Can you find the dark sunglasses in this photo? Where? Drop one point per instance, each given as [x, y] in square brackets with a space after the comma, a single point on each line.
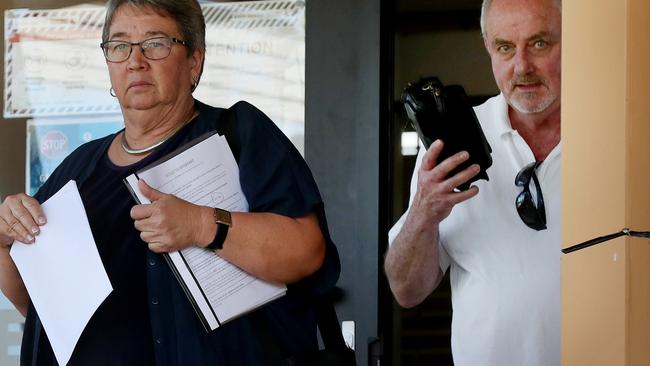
[531, 213]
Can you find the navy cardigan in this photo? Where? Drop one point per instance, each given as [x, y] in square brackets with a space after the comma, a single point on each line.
[274, 178]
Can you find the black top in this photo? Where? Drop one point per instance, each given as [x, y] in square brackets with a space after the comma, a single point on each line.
[119, 332]
[148, 317]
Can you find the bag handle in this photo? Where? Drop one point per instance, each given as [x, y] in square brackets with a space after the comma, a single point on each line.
[328, 326]
[226, 127]
[604, 238]
[338, 352]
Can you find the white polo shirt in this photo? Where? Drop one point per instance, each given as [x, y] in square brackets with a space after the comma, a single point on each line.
[505, 277]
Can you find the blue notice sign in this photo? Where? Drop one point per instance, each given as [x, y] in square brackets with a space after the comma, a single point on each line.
[49, 141]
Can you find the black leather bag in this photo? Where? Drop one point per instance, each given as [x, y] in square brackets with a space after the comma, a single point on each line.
[443, 112]
[335, 352]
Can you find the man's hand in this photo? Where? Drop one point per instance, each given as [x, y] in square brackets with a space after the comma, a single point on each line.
[412, 260]
[436, 195]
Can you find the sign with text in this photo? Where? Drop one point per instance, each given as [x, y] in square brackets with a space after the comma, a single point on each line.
[50, 140]
[255, 51]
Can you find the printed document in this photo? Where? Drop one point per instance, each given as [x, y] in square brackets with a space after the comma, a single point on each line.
[63, 272]
[206, 173]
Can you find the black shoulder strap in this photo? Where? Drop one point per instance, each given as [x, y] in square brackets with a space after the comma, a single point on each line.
[226, 127]
[600, 239]
[335, 352]
[328, 326]
[270, 348]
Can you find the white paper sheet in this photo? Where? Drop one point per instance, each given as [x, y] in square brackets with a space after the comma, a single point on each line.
[63, 272]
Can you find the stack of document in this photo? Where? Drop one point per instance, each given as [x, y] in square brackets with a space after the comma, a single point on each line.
[205, 173]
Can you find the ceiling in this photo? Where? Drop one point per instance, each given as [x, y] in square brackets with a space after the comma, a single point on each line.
[412, 6]
[414, 16]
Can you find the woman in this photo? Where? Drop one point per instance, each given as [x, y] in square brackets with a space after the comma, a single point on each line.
[154, 51]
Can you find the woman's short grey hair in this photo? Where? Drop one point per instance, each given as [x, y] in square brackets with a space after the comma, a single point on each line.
[486, 6]
[187, 15]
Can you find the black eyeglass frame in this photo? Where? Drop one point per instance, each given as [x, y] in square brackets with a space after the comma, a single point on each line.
[534, 216]
[171, 40]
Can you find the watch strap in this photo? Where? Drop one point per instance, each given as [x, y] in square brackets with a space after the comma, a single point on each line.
[223, 221]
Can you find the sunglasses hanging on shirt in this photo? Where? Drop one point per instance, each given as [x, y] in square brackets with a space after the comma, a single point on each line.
[530, 209]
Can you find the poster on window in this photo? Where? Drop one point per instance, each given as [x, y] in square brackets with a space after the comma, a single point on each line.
[50, 140]
[54, 65]
[255, 51]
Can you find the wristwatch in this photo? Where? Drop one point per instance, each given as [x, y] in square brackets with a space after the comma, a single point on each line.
[224, 222]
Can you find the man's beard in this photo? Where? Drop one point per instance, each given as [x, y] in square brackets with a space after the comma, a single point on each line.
[517, 99]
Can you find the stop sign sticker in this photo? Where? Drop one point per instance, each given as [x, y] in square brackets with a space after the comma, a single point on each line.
[54, 144]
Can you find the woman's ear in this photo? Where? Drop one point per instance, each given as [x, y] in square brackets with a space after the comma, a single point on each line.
[198, 59]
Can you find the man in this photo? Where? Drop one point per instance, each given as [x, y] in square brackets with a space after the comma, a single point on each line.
[503, 256]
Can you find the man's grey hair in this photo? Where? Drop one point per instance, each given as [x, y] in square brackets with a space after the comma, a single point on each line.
[187, 15]
[486, 6]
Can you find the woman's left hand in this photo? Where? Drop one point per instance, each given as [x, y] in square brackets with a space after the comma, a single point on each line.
[169, 223]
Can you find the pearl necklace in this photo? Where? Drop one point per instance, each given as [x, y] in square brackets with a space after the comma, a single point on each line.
[127, 149]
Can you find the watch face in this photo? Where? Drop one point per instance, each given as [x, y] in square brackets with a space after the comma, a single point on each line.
[222, 217]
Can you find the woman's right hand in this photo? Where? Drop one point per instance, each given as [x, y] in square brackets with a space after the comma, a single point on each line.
[20, 219]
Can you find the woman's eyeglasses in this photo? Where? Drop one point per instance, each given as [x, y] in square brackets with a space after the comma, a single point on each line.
[531, 211]
[153, 48]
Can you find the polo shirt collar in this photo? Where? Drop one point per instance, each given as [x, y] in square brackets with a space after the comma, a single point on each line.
[501, 116]
[503, 126]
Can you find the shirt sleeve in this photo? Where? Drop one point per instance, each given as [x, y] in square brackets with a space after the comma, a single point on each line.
[275, 178]
[392, 234]
[273, 174]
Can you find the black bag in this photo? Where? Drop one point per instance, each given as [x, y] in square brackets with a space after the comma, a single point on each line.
[335, 352]
[443, 112]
